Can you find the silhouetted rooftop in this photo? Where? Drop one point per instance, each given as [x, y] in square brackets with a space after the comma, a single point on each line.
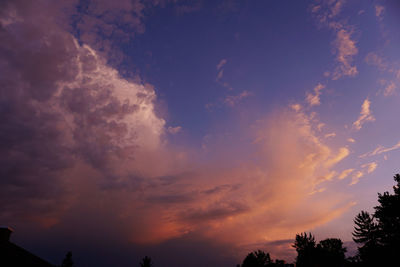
[12, 255]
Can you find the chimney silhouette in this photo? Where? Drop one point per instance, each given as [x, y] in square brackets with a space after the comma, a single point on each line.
[5, 233]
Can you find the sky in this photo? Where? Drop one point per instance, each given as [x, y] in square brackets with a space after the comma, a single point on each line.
[194, 131]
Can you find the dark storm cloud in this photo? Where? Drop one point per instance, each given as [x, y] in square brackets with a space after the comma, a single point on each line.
[59, 104]
[33, 60]
[214, 212]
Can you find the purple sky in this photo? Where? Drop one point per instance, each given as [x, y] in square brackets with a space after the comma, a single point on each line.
[193, 131]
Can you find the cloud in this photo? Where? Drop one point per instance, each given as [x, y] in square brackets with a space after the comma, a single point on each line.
[220, 75]
[221, 63]
[233, 100]
[379, 11]
[343, 153]
[174, 130]
[85, 153]
[336, 7]
[327, 10]
[345, 173]
[326, 13]
[103, 25]
[376, 60]
[390, 89]
[296, 107]
[356, 177]
[330, 135]
[370, 166]
[220, 69]
[314, 99]
[365, 115]
[351, 140]
[380, 149]
[366, 169]
[345, 49]
[70, 108]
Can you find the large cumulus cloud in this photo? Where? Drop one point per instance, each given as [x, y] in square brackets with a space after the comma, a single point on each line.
[83, 149]
[61, 104]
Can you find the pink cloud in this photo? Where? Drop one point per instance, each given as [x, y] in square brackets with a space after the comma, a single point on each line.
[84, 145]
[380, 150]
[390, 89]
[345, 51]
[232, 100]
[379, 11]
[365, 115]
[314, 99]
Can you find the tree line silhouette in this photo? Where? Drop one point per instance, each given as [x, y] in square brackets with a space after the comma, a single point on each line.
[377, 236]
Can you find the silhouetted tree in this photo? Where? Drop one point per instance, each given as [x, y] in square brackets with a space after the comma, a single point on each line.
[331, 253]
[306, 250]
[366, 233]
[279, 263]
[387, 213]
[366, 230]
[67, 261]
[146, 262]
[257, 259]
[379, 234]
[328, 253]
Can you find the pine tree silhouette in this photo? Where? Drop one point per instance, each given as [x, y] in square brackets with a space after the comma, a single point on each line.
[146, 262]
[67, 262]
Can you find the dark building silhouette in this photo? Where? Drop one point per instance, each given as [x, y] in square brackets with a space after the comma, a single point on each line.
[12, 255]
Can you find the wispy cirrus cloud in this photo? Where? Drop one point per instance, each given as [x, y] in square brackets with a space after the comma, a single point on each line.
[365, 115]
[325, 11]
[380, 150]
[221, 63]
[346, 49]
[220, 74]
[232, 100]
[314, 99]
[356, 177]
[351, 140]
[376, 60]
[390, 89]
[345, 173]
[379, 11]
[365, 169]
[174, 130]
[328, 135]
[370, 167]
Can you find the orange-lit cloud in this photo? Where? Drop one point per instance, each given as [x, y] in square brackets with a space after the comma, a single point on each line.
[345, 173]
[390, 89]
[330, 135]
[366, 169]
[98, 152]
[370, 166]
[356, 177]
[345, 51]
[365, 115]
[381, 149]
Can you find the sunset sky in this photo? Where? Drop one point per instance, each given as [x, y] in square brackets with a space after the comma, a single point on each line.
[194, 131]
